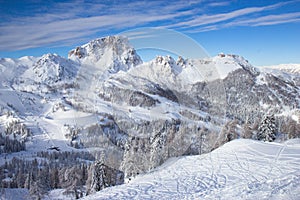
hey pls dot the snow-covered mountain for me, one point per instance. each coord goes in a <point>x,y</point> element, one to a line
<point>104,103</point>
<point>112,54</point>
<point>12,68</point>
<point>52,68</point>
<point>50,72</point>
<point>288,71</point>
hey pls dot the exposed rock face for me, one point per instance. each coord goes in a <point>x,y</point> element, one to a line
<point>111,53</point>
<point>140,99</point>
<point>78,52</point>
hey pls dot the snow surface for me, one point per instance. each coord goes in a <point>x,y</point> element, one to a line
<point>241,169</point>
<point>14,194</point>
<point>58,194</point>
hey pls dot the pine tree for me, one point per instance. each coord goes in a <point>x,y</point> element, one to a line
<point>247,131</point>
<point>99,180</point>
<point>127,162</point>
<point>157,149</point>
<point>28,180</point>
<point>35,191</point>
<point>202,139</point>
<point>292,128</point>
<point>41,186</point>
<point>229,130</point>
<point>73,182</point>
<point>54,178</point>
<point>20,179</point>
<point>83,174</point>
<point>267,129</point>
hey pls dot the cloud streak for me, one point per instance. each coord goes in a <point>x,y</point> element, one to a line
<point>267,20</point>
<point>74,21</point>
<point>223,17</point>
<point>62,24</point>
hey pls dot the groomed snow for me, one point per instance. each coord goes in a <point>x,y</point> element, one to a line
<point>241,169</point>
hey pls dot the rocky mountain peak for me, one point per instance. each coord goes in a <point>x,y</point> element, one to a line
<point>165,60</point>
<point>181,61</point>
<point>168,63</point>
<point>51,68</point>
<point>112,53</point>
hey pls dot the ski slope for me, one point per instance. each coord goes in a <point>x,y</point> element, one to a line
<point>241,169</point>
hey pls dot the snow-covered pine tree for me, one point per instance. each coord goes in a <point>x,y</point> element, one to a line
<point>292,128</point>
<point>54,178</point>
<point>247,131</point>
<point>41,186</point>
<point>28,181</point>
<point>127,162</point>
<point>229,130</point>
<point>99,177</point>
<point>267,129</point>
<point>202,138</point>
<point>35,191</point>
<point>20,178</point>
<point>157,149</point>
<point>73,182</point>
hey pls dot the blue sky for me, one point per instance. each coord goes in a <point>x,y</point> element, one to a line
<point>264,32</point>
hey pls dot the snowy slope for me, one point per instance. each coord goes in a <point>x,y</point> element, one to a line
<point>11,194</point>
<point>241,169</point>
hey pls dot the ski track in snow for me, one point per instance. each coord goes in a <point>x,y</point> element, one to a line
<point>242,169</point>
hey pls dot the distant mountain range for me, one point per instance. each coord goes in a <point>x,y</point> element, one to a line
<point>289,68</point>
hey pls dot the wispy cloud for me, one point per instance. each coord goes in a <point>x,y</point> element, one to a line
<point>61,23</point>
<point>12,36</point>
<point>72,21</point>
<point>266,20</point>
<point>222,17</point>
<point>220,3</point>
<point>259,21</point>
